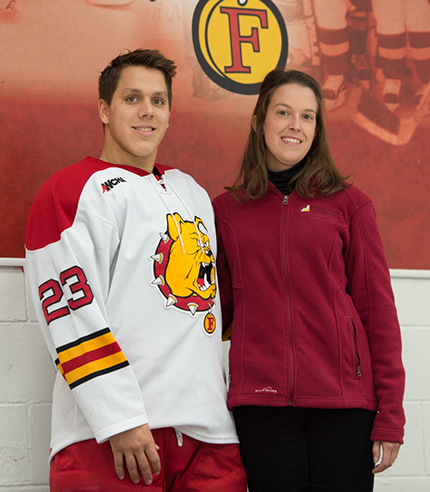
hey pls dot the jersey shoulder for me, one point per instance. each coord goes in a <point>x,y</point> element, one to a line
<point>54,208</point>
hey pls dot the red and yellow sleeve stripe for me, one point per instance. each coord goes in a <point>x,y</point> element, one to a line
<point>90,357</point>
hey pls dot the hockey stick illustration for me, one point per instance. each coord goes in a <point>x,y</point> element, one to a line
<point>374,116</point>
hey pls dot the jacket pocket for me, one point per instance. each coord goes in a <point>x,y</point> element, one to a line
<point>355,355</point>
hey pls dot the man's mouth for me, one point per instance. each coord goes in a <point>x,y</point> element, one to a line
<point>144,128</point>
<point>204,280</point>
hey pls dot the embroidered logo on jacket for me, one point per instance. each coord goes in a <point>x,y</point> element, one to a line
<point>321,211</point>
<point>110,183</point>
<point>184,268</point>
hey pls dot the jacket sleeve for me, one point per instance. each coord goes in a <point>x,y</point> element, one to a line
<point>68,266</point>
<point>369,285</point>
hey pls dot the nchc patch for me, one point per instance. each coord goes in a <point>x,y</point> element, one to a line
<point>110,183</point>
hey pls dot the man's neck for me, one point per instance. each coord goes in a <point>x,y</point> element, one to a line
<point>145,164</point>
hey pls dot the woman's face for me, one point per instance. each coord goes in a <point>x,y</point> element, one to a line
<point>290,125</point>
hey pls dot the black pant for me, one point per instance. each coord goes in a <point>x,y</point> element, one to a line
<point>290,449</point>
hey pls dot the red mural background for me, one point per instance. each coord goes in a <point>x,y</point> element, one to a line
<point>52,52</point>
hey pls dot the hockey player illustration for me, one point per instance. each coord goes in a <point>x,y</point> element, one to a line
<point>400,98</point>
<point>9,11</point>
<point>303,48</point>
<point>399,23</point>
<point>342,27</point>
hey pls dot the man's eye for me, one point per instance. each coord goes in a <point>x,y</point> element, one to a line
<point>158,102</point>
<point>131,99</point>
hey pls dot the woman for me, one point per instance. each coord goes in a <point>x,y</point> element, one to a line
<point>317,380</point>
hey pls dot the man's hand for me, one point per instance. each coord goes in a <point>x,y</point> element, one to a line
<point>138,448</point>
<point>390,450</point>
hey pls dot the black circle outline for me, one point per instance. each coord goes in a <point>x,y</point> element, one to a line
<point>224,82</point>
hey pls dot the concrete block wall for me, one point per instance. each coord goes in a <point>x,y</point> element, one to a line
<point>26,380</point>
<point>27,376</point>
<point>411,472</point>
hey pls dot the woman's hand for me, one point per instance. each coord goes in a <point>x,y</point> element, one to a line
<point>390,450</point>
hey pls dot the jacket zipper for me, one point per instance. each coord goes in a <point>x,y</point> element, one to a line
<point>357,355</point>
<point>290,334</point>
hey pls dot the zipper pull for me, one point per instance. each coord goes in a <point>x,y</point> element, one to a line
<point>180,438</point>
<point>358,371</point>
<point>285,202</point>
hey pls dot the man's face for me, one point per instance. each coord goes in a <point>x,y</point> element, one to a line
<point>137,118</point>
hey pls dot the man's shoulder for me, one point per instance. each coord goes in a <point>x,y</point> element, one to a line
<point>56,204</point>
<point>73,174</point>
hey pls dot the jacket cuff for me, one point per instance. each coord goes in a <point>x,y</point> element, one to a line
<point>387,436</point>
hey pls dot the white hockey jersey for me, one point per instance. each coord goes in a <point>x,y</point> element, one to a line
<point>120,265</point>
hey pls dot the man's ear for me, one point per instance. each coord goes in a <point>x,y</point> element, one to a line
<point>103,111</point>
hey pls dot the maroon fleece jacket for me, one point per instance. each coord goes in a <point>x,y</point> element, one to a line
<point>308,289</point>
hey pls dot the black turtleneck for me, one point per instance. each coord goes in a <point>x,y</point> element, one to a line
<point>281,179</point>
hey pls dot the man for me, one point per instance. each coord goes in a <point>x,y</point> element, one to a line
<point>120,266</point>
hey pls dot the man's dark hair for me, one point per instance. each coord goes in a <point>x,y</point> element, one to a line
<point>109,78</point>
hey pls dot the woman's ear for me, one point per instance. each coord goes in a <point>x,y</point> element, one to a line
<point>254,122</point>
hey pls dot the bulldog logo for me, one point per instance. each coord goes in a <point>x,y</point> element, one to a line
<point>184,267</point>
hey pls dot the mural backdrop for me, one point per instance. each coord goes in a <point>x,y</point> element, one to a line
<point>372,58</point>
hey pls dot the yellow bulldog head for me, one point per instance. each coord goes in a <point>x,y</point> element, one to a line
<point>190,270</point>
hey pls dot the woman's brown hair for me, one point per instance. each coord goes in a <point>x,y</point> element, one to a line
<point>319,174</point>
